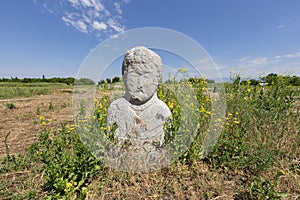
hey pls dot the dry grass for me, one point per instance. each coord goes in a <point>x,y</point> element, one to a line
<point>196,181</point>
<point>23,125</point>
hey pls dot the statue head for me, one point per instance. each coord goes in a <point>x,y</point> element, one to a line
<point>141,71</point>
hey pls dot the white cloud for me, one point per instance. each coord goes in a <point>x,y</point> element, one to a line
<point>204,61</point>
<point>113,24</point>
<point>291,55</point>
<point>93,17</point>
<point>87,19</point>
<point>276,64</point>
<point>114,36</point>
<point>250,67</point>
<point>96,4</point>
<point>281,26</point>
<point>86,3</point>
<point>79,25</point>
<point>210,67</point>
<point>99,25</point>
<point>118,7</point>
<point>74,2</point>
<point>252,61</point>
<point>259,61</point>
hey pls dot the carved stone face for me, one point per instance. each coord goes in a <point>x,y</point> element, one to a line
<point>141,84</point>
<point>141,70</point>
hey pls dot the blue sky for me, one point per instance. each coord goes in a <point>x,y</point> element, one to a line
<point>53,37</point>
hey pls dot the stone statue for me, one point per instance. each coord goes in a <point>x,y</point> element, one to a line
<point>139,115</point>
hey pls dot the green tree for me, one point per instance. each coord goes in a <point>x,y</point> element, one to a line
<point>271,78</point>
<point>294,80</point>
<point>85,81</point>
<point>115,79</point>
<point>108,80</point>
<point>101,82</point>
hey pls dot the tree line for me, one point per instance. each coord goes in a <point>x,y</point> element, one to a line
<point>68,80</point>
<point>272,79</point>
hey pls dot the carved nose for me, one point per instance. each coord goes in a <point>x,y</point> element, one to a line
<point>138,81</point>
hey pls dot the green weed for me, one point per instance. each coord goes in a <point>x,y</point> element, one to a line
<point>11,105</point>
<point>51,106</point>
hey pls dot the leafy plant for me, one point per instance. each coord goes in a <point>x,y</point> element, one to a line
<point>267,189</point>
<point>10,105</point>
<point>38,111</point>
<point>51,106</point>
<point>68,165</point>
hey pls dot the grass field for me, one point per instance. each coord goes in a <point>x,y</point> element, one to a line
<point>257,156</point>
<point>13,90</point>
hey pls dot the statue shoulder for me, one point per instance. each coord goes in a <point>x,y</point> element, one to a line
<point>163,106</point>
<point>121,102</point>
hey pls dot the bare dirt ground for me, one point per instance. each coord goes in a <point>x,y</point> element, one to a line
<point>21,126</point>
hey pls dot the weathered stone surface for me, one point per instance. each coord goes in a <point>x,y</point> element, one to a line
<point>139,123</point>
<point>139,115</point>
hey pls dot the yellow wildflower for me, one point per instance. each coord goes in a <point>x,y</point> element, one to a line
<point>42,118</point>
<point>282,172</point>
<point>170,105</point>
<point>229,114</point>
<point>44,123</point>
<point>207,112</point>
<point>248,90</point>
<point>68,187</point>
<point>108,128</point>
<point>207,99</point>
<point>236,122</point>
<point>202,109</point>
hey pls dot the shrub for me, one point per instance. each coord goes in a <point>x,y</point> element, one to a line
<point>10,105</point>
